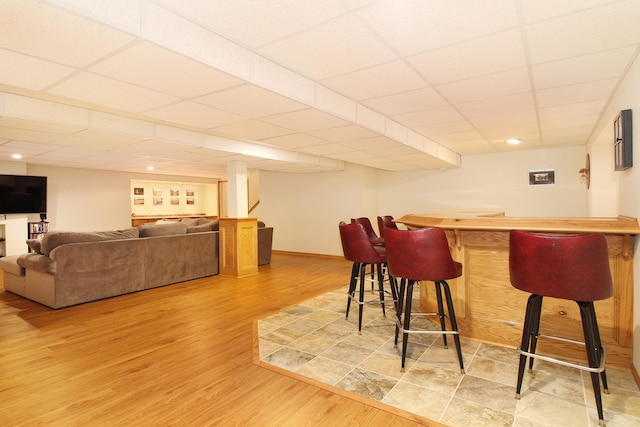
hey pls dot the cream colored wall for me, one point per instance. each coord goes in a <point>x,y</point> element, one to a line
<point>305,211</point>
<point>175,197</point>
<point>89,200</point>
<point>625,184</point>
<point>491,182</point>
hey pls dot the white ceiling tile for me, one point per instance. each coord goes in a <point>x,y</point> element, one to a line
<point>325,149</point>
<point>591,108</point>
<point>194,114</point>
<point>254,23</point>
<point>484,87</point>
<point>514,118</point>
<point>61,37</point>
<point>567,123</point>
<point>100,140</point>
<point>428,117</point>
<point>251,129</point>
<point>444,128</point>
<point>367,83</point>
<point>293,141</point>
<point>538,10</point>
<point>27,135</point>
<point>251,101</point>
<point>99,90</point>
<point>305,120</point>
<point>581,92</point>
<point>486,55</point>
<point>414,26</point>
<point>28,72</point>
<point>406,102</point>
<point>581,69</point>
<point>39,126</point>
<point>147,65</point>
<point>368,144</point>
<point>343,133</point>
<point>493,106</point>
<point>122,14</point>
<point>312,53</point>
<point>589,31</point>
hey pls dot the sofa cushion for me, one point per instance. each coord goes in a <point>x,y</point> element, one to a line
<point>189,221</point>
<point>35,245</point>
<point>164,229</point>
<point>9,264</point>
<point>37,262</point>
<point>55,238</point>
<point>199,228</point>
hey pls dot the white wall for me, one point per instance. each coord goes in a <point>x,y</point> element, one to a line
<point>624,184</point>
<point>491,182</point>
<point>91,200</point>
<point>306,209</point>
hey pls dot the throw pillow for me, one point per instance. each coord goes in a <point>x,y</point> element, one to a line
<point>35,245</point>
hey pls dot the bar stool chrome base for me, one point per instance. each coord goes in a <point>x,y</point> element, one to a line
<point>404,315</point>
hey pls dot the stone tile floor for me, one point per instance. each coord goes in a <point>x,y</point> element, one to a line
<point>314,340</point>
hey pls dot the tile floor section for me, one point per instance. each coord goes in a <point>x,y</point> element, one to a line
<point>314,340</point>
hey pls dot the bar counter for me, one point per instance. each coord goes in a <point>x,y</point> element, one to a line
<point>489,309</point>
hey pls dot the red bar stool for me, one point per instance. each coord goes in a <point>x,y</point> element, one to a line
<point>386,221</point>
<point>422,255</point>
<point>358,249</point>
<point>570,267</point>
<point>377,241</point>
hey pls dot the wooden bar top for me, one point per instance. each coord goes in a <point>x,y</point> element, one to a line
<point>496,221</point>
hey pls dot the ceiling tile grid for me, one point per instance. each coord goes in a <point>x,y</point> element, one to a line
<point>304,85</point>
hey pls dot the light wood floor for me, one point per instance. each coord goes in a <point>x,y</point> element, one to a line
<point>180,355</point>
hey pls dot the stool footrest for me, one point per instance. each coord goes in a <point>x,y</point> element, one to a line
<point>569,364</point>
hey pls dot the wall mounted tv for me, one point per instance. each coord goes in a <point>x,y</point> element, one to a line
<point>23,194</point>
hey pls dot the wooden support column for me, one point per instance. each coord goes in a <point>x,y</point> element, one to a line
<point>238,246</point>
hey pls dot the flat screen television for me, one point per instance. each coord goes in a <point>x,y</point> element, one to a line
<point>23,194</point>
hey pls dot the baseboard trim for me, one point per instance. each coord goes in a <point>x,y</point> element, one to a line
<point>307,254</point>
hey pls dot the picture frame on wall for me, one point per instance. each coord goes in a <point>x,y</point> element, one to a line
<point>622,141</point>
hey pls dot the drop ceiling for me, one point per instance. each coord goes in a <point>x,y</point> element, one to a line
<point>303,86</point>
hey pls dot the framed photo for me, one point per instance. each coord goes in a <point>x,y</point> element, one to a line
<point>175,200</point>
<point>542,177</point>
<point>138,191</point>
<point>157,191</point>
<point>157,200</point>
<point>138,200</point>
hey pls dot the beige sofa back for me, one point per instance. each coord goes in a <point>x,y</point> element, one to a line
<point>172,259</point>
<point>96,270</point>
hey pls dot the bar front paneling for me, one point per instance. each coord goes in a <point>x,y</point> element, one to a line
<point>490,309</point>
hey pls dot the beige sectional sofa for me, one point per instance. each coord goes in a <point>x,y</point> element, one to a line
<point>68,268</point>
<point>76,267</point>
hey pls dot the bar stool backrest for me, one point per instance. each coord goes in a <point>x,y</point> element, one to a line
<point>421,254</point>
<point>385,221</point>
<point>366,223</point>
<point>572,267</point>
<point>356,245</point>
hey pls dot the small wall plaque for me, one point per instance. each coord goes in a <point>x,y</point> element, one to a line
<point>542,177</point>
<point>622,143</point>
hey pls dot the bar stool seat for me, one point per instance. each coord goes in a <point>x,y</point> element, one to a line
<point>358,248</point>
<point>422,255</point>
<point>570,267</point>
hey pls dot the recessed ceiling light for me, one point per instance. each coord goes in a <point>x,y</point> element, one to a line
<point>513,141</point>
<point>150,168</point>
<point>16,156</point>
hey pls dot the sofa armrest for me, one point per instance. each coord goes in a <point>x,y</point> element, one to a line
<point>265,243</point>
